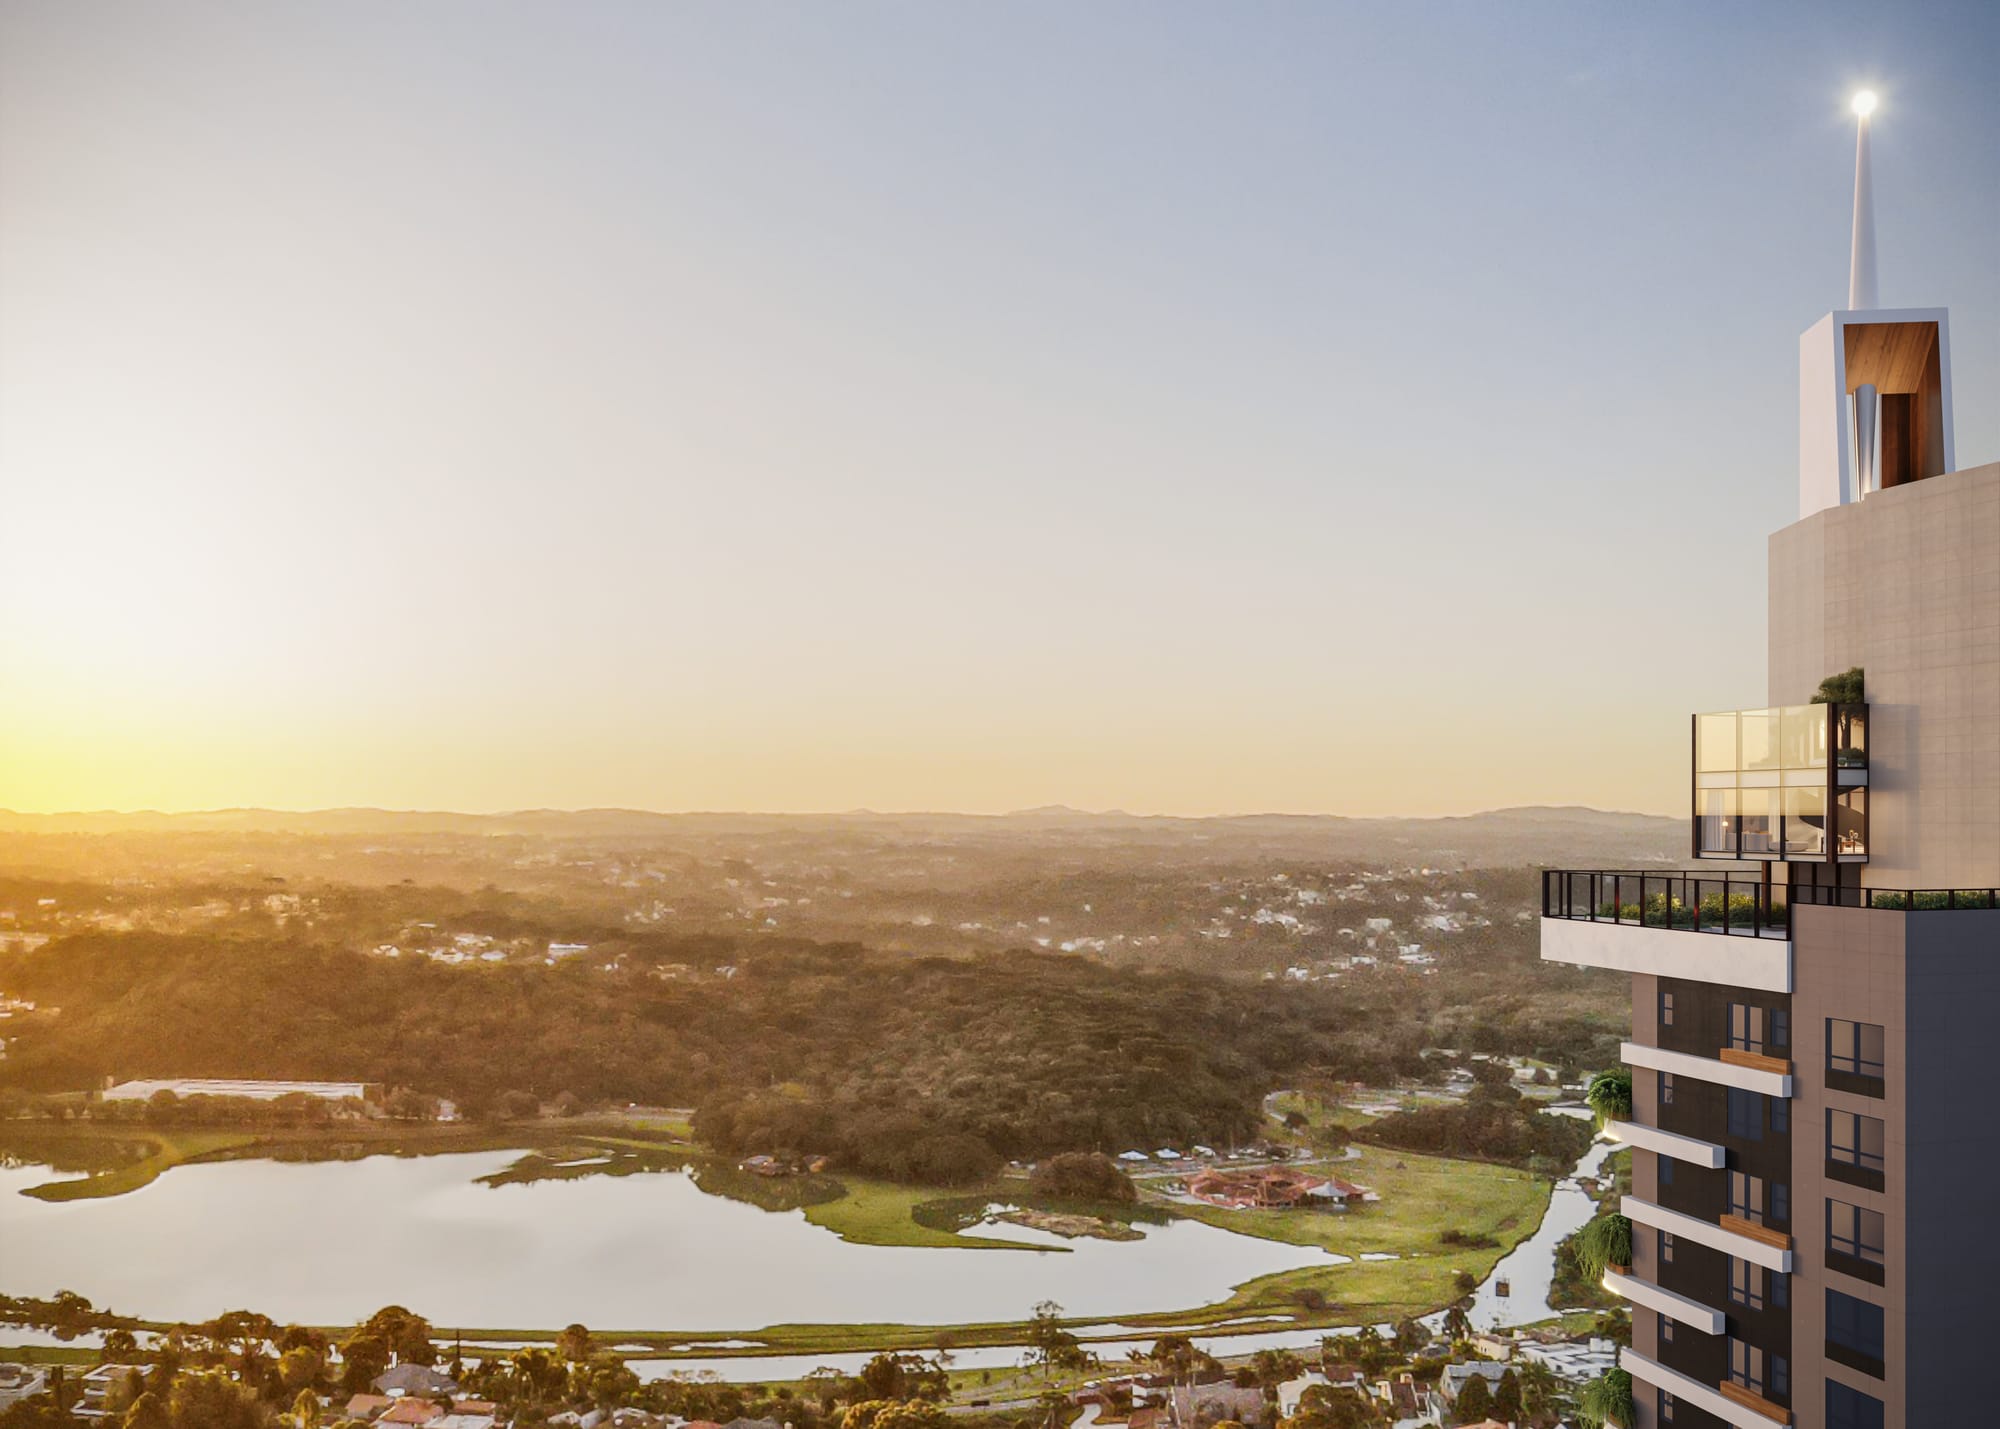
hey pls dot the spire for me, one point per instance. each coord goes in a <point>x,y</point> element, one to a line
<point>1861,262</point>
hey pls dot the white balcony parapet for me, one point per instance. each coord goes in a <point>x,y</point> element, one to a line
<point>1763,964</point>
<point>1689,1390</point>
<point>1667,1143</point>
<point>1706,1069</point>
<point>1678,1308</point>
<point>1707,1233</point>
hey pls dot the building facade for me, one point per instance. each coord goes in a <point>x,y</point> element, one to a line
<point>1814,1156</point>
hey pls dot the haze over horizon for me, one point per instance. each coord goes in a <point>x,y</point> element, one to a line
<point>498,407</point>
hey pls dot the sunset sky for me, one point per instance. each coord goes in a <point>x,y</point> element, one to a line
<point>1175,407</point>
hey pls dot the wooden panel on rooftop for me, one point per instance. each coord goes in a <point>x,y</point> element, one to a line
<point>1890,355</point>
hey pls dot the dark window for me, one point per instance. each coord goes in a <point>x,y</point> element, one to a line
<point>1854,1140</point>
<point>1666,1407</point>
<point>1666,1009</point>
<point>1746,1115</point>
<point>1781,1203</point>
<point>1781,1376</point>
<point>1746,1196</point>
<point>1747,1366</point>
<point>1781,1290</point>
<point>1666,1089</point>
<point>1746,1284</point>
<point>1854,1048</point>
<point>1854,1324</point>
<point>1854,1232</point>
<point>1746,1027</point>
<point>1851,1409</point>
<point>1666,1170</point>
<point>1781,1028</point>
<point>1781,1115</point>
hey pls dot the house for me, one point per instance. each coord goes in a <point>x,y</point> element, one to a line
<point>1198,1406</point>
<point>1410,1404</point>
<point>99,1385</point>
<point>1455,1377</point>
<point>1151,1417</point>
<point>19,1382</point>
<point>1293,1390</point>
<point>458,1420</point>
<point>366,1406</point>
<point>411,1411</point>
<point>415,1379</point>
<point>575,1420</point>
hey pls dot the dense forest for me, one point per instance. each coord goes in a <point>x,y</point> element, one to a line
<point>917,1066</point>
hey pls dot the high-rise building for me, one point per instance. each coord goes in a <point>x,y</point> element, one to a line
<point>1816,1152</point>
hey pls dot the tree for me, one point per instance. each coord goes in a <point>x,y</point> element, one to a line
<point>210,1400</point>
<point>119,1346</point>
<point>1846,688</point>
<point>1050,1346</point>
<point>1457,1323</point>
<point>1507,1398</point>
<point>1325,1407</point>
<point>147,1412</point>
<point>364,1356</point>
<point>1610,1094</point>
<point>575,1344</point>
<point>1475,1401</point>
<point>305,1410</point>
<point>1271,1368</point>
<point>1083,1176</point>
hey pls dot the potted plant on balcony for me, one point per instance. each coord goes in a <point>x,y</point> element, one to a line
<point>1605,1243</point>
<point>1610,1095</point>
<point>1606,1400</point>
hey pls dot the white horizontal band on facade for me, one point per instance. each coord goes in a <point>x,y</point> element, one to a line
<point>1706,1069</point>
<point>1707,1233</point>
<point>1725,959</point>
<point>1692,1391</point>
<point>1678,1308</point>
<point>1667,1143</point>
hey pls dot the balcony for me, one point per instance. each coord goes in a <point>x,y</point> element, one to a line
<point>1705,1154</point>
<point>1782,785</point>
<point>1728,1402</point>
<point>1678,1308</point>
<point>1640,922</point>
<point>1732,1235</point>
<point>1726,1070</point>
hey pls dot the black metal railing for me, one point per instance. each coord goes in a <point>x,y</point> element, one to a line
<point>1901,900</point>
<point>1738,903</point>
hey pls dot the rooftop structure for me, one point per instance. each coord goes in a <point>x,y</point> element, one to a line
<point>145,1090</point>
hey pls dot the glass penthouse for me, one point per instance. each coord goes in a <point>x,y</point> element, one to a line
<point>1814,1155</point>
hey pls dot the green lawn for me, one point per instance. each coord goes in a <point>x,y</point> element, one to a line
<point>878,1213</point>
<point>170,1149</point>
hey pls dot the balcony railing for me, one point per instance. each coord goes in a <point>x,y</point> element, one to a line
<point>1739,903</point>
<point>1901,900</point>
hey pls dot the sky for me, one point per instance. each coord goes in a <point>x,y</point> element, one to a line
<point>1180,408</point>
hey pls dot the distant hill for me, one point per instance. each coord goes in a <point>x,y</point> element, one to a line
<point>1531,834</point>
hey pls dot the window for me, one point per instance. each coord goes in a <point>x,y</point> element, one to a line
<point>1666,1089</point>
<point>1746,1027</point>
<point>1781,1115</point>
<point>1854,1140</point>
<point>1854,1325</point>
<point>1666,1009</point>
<point>1666,1170</point>
<point>1666,1328</point>
<point>1854,1232</point>
<point>1747,1366</point>
<point>1781,1377</point>
<point>1779,1028</point>
<point>1746,1197</point>
<point>1781,1289</point>
<point>1715,820</point>
<point>1746,1284</point>
<point>1666,1247</point>
<point>1848,1408</point>
<point>1781,1203</point>
<point>1746,1115</point>
<point>1854,1048</point>
<point>1666,1407</point>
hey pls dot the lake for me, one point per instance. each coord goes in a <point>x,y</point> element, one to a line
<point>330,1242</point>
